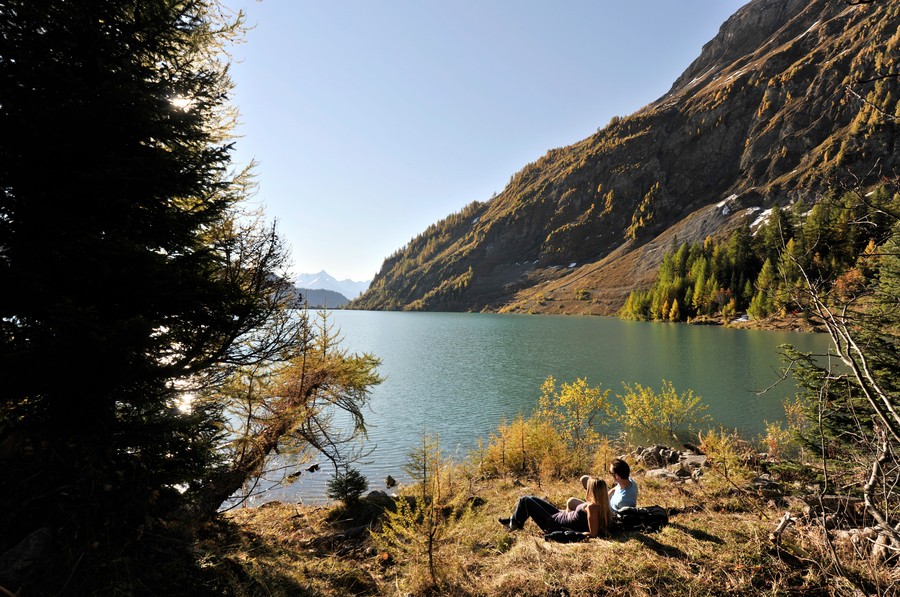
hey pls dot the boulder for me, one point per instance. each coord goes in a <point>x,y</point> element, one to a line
<point>885,548</point>
<point>766,487</point>
<point>476,502</point>
<point>694,461</point>
<point>652,460</point>
<point>653,457</point>
<point>671,456</point>
<point>692,449</point>
<point>380,499</point>
<point>863,538</point>
<point>26,558</point>
<point>662,473</point>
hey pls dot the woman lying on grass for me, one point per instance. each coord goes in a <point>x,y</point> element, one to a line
<point>591,517</point>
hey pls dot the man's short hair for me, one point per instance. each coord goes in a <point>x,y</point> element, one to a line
<point>620,468</point>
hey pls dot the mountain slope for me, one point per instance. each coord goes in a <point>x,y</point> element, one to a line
<point>762,116</point>
<point>319,298</point>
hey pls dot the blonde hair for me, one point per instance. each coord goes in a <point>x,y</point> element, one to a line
<point>598,493</point>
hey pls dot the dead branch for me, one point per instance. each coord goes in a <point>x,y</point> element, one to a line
<point>785,521</point>
<point>869,489</point>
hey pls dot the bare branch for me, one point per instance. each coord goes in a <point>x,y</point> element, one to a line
<point>853,356</point>
<point>785,521</point>
<point>869,490</point>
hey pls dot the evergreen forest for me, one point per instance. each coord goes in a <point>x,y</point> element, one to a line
<point>764,269</point>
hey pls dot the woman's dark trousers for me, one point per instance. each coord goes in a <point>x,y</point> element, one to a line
<point>541,511</point>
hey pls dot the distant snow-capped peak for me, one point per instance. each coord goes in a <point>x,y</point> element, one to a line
<point>323,280</point>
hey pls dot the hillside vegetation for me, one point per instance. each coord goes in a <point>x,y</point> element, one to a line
<point>761,270</point>
<point>321,298</point>
<point>788,96</point>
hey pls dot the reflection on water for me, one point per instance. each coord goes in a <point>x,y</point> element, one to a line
<point>459,374</point>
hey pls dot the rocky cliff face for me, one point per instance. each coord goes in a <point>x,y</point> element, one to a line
<point>788,94</point>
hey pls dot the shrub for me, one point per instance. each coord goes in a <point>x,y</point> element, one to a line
<point>410,535</point>
<point>728,456</point>
<point>660,414</point>
<point>560,439</point>
<point>527,447</point>
<point>416,531</point>
<point>574,410</point>
<point>779,441</point>
<point>347,485</point>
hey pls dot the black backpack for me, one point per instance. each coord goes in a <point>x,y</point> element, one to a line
<point>650,519</point>
<point>565,536</point>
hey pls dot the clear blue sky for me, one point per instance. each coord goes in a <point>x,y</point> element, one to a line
<point>371,119</point>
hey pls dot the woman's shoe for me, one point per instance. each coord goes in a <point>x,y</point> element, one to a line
<point>504,521</point>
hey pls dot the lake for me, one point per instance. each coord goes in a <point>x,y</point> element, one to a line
<point>459,374</point>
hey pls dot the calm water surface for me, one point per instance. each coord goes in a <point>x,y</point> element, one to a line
<point>459,374</point>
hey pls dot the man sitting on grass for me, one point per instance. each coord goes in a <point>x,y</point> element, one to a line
<point>625,492</point>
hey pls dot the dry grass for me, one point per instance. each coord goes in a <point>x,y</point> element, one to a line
<point>717,543</point>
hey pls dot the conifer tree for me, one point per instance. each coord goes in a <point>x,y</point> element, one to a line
<point>762,304</point>
<point>675,311</point>
<point>699,273</point>
<point>130,275</point>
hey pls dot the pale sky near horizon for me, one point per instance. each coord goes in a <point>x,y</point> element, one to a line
<point>371,120</point>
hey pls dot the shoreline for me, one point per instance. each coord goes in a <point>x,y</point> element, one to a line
<point>790,323</point>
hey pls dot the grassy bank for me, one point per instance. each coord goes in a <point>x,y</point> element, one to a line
<point>717,543</point>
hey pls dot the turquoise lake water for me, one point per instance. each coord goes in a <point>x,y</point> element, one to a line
<point>459,374</point>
